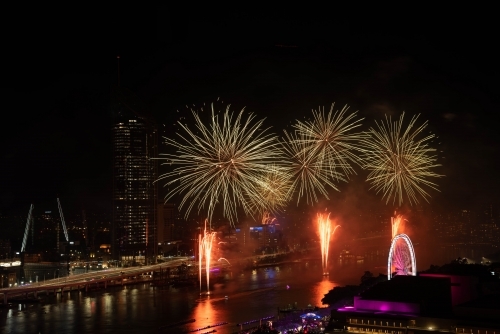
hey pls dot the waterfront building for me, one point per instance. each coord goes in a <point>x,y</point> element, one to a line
<point>134,139</point>
<point>268,236</point>
<point>421,304</point>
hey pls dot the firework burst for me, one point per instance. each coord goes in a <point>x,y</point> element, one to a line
<point>320,152</point>
<point>221,163</point>
<point>310,176</point>
<point>333,140</point>
<point>399,160</point>
<point>273,188</point>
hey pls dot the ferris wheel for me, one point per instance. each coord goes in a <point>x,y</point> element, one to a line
<point>401,260</point>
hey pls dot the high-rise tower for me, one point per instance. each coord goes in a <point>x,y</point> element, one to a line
<point>134,137</point>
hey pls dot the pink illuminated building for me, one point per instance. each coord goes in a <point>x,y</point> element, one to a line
<point>424,303</point>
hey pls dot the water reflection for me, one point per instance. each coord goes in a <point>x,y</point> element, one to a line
<point>206,314</point>
<point>320,289</point>
<point>142,308</point>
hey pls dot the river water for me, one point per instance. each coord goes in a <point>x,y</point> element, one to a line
<point>141,308</point>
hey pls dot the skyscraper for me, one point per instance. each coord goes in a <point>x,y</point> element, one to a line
<point>135,144</point>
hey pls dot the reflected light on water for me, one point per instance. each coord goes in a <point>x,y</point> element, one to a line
<point>132,300</point>
<point>320,289</point>
<point>254,275</point>
<point>107,300</point>
<point>269,274</point>
<point>143,309</point>
<point>70,306</point>
<point>205,314</point>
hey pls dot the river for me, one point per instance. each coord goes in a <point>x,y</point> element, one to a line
<point>141,308</point>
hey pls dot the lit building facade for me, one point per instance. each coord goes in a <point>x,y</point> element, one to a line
<point>268,236</point>
<point>134,139</point>
<point>428,303</point>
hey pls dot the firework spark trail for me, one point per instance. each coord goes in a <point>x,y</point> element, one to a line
<point>309,174</point>
<point>395,223</point>
<point>399,162</point>
<point>273,187</point>
<point>325,232</point>
<point>331,138</point>
<point>267,218</point>
<point>221,163</point>
<point>324,227</point>
<point>205,251</point>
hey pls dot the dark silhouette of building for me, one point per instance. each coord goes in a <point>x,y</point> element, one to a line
<point>421,304</point>
<point>5,250</point>
<point>166,214</point>
<point>135,145</point>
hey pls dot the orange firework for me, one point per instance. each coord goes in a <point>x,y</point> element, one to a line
<point>205,251</point>
<point>325,232</point>
<point>395,223</point>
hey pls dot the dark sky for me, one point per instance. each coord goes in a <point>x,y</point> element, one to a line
<point>280,63</point>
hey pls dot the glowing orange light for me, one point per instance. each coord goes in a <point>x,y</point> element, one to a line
<point>396,224</point>
<point>325,232</point>
<point>205,251</point>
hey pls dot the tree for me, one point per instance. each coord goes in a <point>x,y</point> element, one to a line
<point>366,276</point>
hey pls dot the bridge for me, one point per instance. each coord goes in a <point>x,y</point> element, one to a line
<point>101,278</point>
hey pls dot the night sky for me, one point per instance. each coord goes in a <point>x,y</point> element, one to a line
<point>58,68</point>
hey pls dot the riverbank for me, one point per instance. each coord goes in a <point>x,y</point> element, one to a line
<point>251,294</point>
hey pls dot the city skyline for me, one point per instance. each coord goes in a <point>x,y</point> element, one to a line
<point>59,142</point>
<point>101,102</point>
